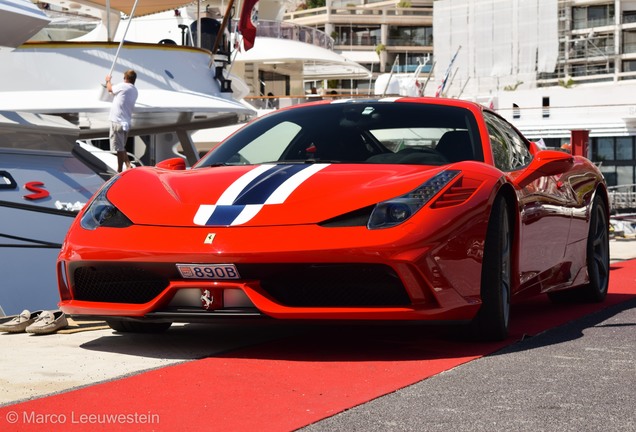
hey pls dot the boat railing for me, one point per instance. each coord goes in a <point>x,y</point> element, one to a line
<point>295,32</point>
<point>622,198</point>
<point>275,102</point>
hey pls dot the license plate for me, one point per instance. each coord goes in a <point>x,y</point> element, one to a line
<point>208,271</point>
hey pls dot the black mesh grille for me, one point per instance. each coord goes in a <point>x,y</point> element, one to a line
<point>295,285</point>
<point>329,285</point>
<point>117,284</point>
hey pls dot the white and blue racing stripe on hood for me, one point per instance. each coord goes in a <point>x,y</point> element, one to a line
<point>263,185</point>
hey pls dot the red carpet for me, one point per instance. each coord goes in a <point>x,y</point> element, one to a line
<point>289,383</point>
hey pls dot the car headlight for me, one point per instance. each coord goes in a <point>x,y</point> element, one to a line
<point>102,213</point>
<point>397,210</point>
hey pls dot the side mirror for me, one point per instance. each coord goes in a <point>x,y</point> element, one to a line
<point>175,164</point>
<point>534,148</point>
<point>544,163</point>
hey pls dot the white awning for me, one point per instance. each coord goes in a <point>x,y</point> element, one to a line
<point>144,7</point>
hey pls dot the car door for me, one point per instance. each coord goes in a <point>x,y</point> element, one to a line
<point>544,211</point>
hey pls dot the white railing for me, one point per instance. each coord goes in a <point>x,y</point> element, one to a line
<point>287,30</point>
<point>622,197</point>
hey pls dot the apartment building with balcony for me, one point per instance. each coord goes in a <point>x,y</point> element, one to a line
<point>382,35</point>
<point>550,67</point>
<point>597,42</point>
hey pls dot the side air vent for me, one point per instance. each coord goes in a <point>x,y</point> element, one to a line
<point>454,196</point>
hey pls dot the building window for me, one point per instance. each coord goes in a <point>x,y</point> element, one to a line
<point>629,66</point>
<point>616,157</point>
<point>546,107</point>
<point>516,112</point>
<point>613,149</point>
<point>629,42</point>
<point>408,62</point>
<point>367,35</point>
<point>410,36</point>
<point>624,148</point>
<point>604,150</point>
<point>629,17</point>
<point>592,16</point>
<point>587,69</point>
<point>592,45</point>
<point>609,172</point>
<point>618,175</point>
<point>624,175</point>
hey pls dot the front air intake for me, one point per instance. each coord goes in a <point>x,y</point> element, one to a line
<point>117,284</point>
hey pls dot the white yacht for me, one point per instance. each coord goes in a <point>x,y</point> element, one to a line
<point>274,73</point>
<point>181,88</point>
<point>19,20</point>
<point>45,179</point>
<point>52,95</point>
<point>284,57</point>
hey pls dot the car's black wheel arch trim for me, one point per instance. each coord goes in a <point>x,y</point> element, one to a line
<point>602,192</point>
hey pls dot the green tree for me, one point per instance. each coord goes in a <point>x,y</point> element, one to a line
<point>316,3</point>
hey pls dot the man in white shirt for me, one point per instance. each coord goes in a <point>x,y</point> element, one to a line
<point>121,115</point>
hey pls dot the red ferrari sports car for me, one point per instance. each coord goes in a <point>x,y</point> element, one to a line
<point>393,209</point>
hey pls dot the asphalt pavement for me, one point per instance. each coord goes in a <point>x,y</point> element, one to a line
<point>579,377</point>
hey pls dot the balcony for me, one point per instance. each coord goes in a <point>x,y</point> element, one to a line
<point>579,24</point>
<point>291,31</point>
<point>410,41</point>
<point>368,41</point>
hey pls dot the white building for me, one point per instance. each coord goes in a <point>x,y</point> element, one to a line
<point>549,66</point>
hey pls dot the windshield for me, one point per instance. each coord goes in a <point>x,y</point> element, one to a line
<point>354,132</point>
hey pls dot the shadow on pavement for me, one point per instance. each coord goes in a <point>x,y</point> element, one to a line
<point>362,342</point>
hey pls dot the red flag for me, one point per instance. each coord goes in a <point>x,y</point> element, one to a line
<point>247,23</point>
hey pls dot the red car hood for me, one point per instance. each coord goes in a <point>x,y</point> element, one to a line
<point>261,195</point>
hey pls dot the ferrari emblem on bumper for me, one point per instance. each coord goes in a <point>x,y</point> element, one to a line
<point>207,300</point>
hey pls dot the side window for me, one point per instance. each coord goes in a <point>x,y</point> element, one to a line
<point>518,150</point>
<point>509,150</point>
<point>499,144</point>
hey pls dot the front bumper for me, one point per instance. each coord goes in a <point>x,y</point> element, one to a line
<point>408,273</point>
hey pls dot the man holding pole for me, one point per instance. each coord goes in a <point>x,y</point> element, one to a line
<point>121,115</point>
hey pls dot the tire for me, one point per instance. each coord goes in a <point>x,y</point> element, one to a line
<point>128,326</point>
<point>491,322</point>
<point>598,255</point>
<point>597,258</point>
